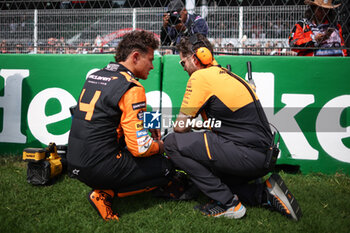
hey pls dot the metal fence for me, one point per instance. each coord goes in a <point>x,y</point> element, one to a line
<point>259,30</point>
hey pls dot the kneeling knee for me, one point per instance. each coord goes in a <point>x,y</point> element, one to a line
<point>170,143</point>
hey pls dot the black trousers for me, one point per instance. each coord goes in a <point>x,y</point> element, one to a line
<point>125,173</point>
<point>218,167</point>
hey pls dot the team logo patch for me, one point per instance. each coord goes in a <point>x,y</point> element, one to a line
<point>140,115</point>
<point>139,105</point>
<point>151,120</point>
<point>139,125</point>
<point>112,67</point>
<point>141,133</point>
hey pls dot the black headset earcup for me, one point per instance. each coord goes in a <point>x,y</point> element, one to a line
<point>204,55</point>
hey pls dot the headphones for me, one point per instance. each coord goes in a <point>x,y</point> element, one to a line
<point>203,54</point>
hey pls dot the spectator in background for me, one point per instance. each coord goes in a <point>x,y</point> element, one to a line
<point>86,48</point>
<point>63,42</point>
<point>70,49</point>
<point>277,48</point>
<point>3,46</point>
<point>79,49</point>
<point>62,45</point>
<point>230,48</point>
<point>318,29</point>
<point>30,49</point>
<point>257,48</point>
<point>177,22</point>
<point>268,48</point>
<point>97,45</point>
<point>19,48</point>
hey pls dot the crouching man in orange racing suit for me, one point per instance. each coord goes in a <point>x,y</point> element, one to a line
<point>109,116</point>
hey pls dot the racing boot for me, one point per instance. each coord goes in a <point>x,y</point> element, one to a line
<point>101,200</point>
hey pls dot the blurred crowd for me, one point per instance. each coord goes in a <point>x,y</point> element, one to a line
<point>59,46</point>
<point>54,46</point>
<point>268,34</point>
<point>269,48</point>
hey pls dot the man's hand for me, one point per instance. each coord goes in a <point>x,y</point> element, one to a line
<point>329,32</point>
<point>155,134</point>
<point>320,37</point>
<point>180,27</point>
<point>161,146</point>
<point>182,125</point>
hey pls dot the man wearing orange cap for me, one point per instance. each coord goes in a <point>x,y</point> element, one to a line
<point>318,34</point>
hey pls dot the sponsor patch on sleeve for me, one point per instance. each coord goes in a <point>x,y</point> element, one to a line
<point>139,105</point>
<point>144,143</point>
<point>139,125</point>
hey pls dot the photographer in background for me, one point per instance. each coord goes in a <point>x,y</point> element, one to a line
<point>177,22</point>
<point>319,29</point>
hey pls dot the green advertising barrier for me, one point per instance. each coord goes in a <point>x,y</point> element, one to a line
<point>36,92</point>
<point>307,99</point>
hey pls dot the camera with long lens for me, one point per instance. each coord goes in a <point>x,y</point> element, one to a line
<point>174,18</point>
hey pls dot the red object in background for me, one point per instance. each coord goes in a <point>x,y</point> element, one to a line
<point>79,1</point>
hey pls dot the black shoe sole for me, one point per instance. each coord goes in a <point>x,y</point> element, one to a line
<point>291,199</point>
<point>93,204</point>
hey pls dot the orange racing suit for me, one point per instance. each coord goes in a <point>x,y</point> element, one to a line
<point>107,136</point>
